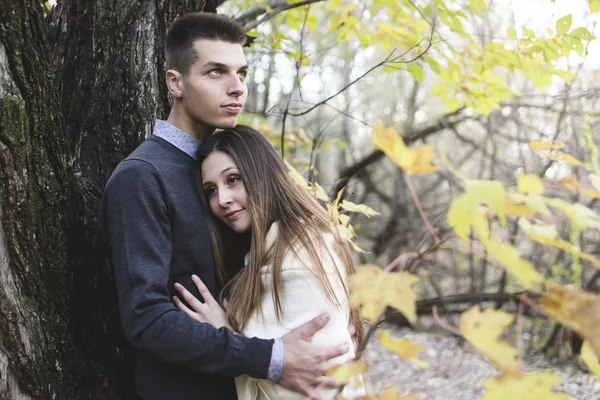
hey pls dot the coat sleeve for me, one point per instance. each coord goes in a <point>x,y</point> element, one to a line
<point>134,218</point>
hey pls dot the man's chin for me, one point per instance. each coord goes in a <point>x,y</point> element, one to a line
<point>228,123</point>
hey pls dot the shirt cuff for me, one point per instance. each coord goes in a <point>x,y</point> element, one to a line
<point>276,365</point>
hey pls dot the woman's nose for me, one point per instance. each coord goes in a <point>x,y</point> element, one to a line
<point>224,198</point>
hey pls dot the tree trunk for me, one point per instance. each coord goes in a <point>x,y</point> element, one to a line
<point>79,90</point>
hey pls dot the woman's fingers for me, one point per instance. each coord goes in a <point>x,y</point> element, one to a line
<point>183,308</point>
<point>204,292</point>
<point>188,297</point>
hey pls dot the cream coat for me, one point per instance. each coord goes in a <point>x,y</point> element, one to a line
<point>302,299</point>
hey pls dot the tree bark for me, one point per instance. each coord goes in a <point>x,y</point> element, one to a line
<point>79,90</point>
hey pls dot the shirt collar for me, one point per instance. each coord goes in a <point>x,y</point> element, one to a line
<point>178,138</point>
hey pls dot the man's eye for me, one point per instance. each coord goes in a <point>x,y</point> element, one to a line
<point>243,74</point>
<point>215,72</point>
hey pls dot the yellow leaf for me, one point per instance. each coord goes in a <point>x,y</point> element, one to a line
<point>463,213</point>
<point>343,372</point>
<point>360,208</point>
<point>517,208</point>
<point>548,231</point>
<point>491,193</point>
<point>589,358</point>
<point>570,182</point>
<point>530,184</point>
<point>483,331</point>
<point>388,141</point>
<point>403,347</point>
<point>318,192</point>
<point>537,145</point>
<point>537,204</point>
<point>460,215</point>
<point>581,216</point>
<point>578,310</point>
<point>373,290</point>
<point>481,226</point>
<point>390,393</point>
<point>565,246</point>
<point>560,156</point>
<point>591,193</point>
<point>413,161</point>
<point>511,260</point>
<point>297,177</point>
<point>528,387</point>
<point>422,165</point>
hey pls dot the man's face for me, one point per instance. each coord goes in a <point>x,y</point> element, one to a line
<point>214,91</point>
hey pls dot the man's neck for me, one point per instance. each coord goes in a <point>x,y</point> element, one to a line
<point>196,130</point>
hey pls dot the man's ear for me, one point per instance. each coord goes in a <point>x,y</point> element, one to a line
<point>175,83</point>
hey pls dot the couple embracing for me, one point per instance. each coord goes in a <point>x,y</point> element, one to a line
<point>231,282</point>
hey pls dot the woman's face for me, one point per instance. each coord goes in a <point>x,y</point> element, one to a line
<point>225,191</point>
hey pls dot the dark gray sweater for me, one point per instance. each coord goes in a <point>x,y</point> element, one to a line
<point>153,219</point>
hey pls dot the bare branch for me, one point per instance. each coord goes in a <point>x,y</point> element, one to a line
<point>441,124</point>
<point>389,61</point>
<point>276,8</point>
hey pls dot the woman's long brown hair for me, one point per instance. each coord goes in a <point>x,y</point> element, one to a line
<point>273,197</point>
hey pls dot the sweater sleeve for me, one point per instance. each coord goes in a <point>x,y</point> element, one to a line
<point>134,218</point>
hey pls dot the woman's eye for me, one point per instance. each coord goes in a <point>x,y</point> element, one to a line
<point>233,179</point>
<point>210,191</point>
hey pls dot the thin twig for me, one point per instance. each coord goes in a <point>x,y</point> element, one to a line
<point>279,8</point>
<point>443,324</point>
<point>520,319</point>
<point>399,259</point>
<point>415,197</point>
<point>389,60</point>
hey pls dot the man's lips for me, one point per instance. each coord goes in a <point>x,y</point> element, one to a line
<point>233,107</point>
<point>233,214</point>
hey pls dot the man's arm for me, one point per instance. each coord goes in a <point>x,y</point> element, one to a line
<point>135,218</point>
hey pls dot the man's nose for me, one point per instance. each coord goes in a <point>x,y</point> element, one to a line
<point>237,86</point>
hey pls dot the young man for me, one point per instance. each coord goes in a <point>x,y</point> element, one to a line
<point>153,218</point>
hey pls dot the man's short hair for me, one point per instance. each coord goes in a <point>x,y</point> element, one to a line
<point>184,31</point>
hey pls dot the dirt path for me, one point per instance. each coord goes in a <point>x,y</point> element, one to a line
<point>457,370</point>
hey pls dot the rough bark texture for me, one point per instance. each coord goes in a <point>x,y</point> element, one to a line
<point>79,90</point>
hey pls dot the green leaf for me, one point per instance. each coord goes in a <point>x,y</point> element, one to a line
<point>510,32</point>
<point>582,33</point>
<point>564,24</point>
<point>360,208</point>
<point>594,6</point>
<point>512,261</point>
<point>528,33</point>
<point>460,216</point>
<point>491,193</point>
<point>530,184</point>
<point>415,71</point>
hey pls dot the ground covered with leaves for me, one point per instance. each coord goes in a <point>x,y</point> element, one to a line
<point>456,370</point>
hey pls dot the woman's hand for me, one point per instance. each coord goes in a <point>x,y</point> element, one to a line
<point>210,311</point>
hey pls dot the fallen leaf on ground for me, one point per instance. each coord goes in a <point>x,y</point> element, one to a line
<point>528,387</point>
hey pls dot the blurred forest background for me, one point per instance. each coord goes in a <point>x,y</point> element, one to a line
<point>81,83</point>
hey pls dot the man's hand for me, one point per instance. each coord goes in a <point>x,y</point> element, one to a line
<point>304,364</point>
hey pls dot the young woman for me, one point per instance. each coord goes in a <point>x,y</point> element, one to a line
<point>275,251</point>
